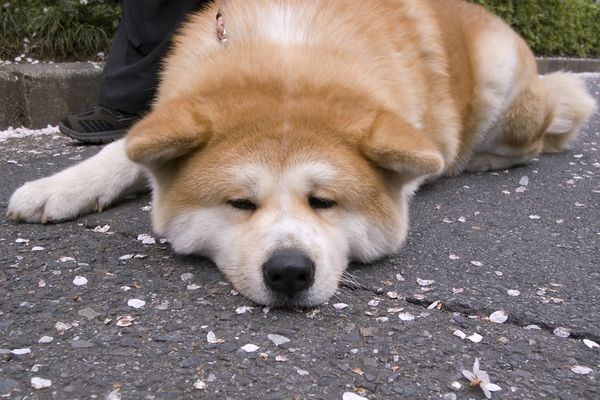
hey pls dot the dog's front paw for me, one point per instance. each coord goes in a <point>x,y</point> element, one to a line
<point>51,200</point>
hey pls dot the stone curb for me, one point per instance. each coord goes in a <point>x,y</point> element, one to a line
<point>37,95</point>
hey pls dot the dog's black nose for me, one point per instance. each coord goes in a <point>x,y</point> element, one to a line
<point>289,271</point>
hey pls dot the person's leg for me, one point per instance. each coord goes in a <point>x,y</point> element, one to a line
<point>130,77</point>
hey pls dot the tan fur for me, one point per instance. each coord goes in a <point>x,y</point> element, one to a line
<point>353,101</point>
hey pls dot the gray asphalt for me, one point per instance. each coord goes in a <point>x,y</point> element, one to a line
<point>476,236</point>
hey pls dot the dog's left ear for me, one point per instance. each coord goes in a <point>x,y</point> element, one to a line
<point>173,129</point>
<point>395,145</point>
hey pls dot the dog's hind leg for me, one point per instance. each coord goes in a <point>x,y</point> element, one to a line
<point>570,106</point>
<point>542,118</point>
<point>89,186</point>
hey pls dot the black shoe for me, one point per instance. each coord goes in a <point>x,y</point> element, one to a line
<point>98,126</point>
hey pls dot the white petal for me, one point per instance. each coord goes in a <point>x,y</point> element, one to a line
<point>476,365</point>
<point>492,387</point>
<point>405,316</point>
<point>200,384</point>
<point>250,348</point>
<point>460,334</point>
<point>524,181</point>
<point>433,305</point>
<point>475,338</point>
<point>20,352</point>
<point>581,370</point>
<point>352,396</point>
<point>40,383</point>
<point>340,306</point>
<point>136,303</point>
<point>469,375</point>
<point>212,338</point>
<point>114,395</point>
<point>591,344</point>
<point>562,332</point>
<point>46,339</point>
<point>278,339</point>
<point>80,280</point>
<point>499,317</point>
<point>425,282</point>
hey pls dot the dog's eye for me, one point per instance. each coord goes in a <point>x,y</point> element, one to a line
<point>243,204</point>
<point>320,203</point>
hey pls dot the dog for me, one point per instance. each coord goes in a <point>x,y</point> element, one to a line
<point>287,138</point>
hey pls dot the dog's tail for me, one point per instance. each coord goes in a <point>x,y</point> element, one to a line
<point>569,106</point>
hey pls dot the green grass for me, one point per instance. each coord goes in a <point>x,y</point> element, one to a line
<point>553,27</point>
<point>56,30</point>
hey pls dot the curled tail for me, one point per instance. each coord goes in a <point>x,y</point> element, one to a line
<point>569,106</point>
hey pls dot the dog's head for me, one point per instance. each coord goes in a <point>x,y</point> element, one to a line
<point>281,197</point>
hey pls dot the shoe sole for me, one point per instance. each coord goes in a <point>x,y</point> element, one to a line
<point>92,138</point>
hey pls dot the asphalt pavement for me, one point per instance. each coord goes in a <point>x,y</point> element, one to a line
<point>88,311</point>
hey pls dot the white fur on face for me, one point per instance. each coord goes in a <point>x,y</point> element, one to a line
<point>240,242</point>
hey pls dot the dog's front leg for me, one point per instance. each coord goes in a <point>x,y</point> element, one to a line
<point>86,187</point>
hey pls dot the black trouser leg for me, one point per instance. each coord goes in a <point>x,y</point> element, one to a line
<point>143,37</point>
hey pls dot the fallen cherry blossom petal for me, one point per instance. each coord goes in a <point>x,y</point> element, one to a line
<point>581,370</point>
<point>477,263</point>
<point>212,338</point>
<point>200,384</point>
<point>62,326</point>
<point>243,309</point>
<point>405,316</point>
<point>250,348</point>
<point>40,383</point>
<point>374,303</point>
<point>513,292</point>
<point>340,306</point>
<point>45,339</point>
<point>20,352</point>
<point>80,280</point>
<point>187,276</point>
<point>460,334</point>
<point>278,339</point>
<point>475,338</point>
<point>434,305</point>
<point>425,282</point>
<point>101,229</point>
<point>37,248</point>
<point>352,396</point>
<point>591,344</point>
<point>499,317</point>
<point>562,332</point>
<point>136,303</point>
<point>146,239</point>
<point>114,395</point>
<point>65,259</point>
<point>124,320</point>
<point>532,327</point>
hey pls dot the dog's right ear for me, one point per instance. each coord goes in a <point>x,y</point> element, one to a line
<point>173,129</point>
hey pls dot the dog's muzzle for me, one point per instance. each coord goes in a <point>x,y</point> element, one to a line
<point>288,272</point>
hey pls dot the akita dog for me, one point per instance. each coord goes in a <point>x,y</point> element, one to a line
<point>288,136</point>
